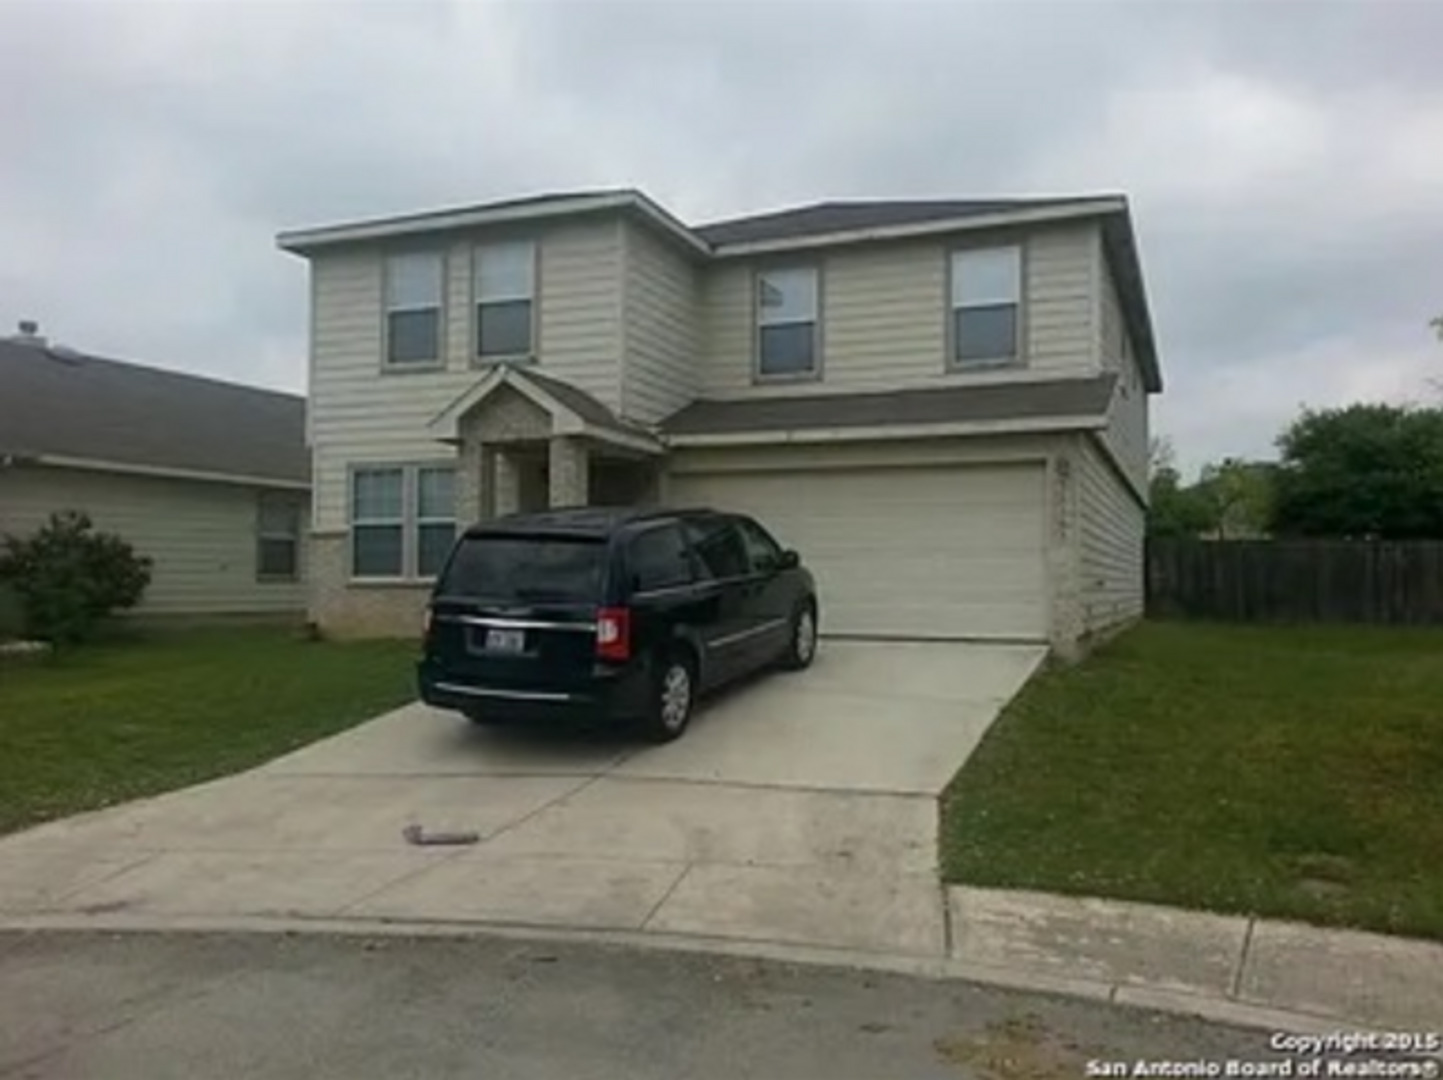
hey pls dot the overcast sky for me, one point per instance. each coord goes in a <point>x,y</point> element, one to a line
<point>1285,159</point>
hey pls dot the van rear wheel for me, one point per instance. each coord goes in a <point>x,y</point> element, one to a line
<point>673,695</point>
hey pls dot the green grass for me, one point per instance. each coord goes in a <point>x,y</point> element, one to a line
<point>134,717</point>
<point>1286,772</point>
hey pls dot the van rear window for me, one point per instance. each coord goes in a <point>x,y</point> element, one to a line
<point>526,568</point>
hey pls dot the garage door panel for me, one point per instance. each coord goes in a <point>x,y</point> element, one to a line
<point>906,552</point>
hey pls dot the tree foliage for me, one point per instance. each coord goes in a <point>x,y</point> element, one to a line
<point>69,577</point>
<point>1362,471</point>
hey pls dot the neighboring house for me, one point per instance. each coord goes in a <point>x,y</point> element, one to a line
<point>942,405</point>
<point>209,479</point>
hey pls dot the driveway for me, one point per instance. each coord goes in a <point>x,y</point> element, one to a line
<point>799,809</point>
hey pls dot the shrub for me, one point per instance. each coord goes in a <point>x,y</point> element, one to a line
<point>70,577</point>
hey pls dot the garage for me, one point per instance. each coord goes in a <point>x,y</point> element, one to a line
<point>953,551</point>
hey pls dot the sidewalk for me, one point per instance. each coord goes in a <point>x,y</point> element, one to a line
<point>1229,968</point>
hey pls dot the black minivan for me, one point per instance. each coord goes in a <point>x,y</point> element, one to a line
<point>614,613</point>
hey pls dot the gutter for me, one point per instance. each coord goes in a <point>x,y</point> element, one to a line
<point>884,432</point>
<point>61,461</point>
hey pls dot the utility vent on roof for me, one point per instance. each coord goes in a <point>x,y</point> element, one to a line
<point>29,333</point>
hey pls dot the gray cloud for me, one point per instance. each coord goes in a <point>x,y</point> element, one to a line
<point>1285,159</point>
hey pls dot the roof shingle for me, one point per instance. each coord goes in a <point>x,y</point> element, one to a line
<point>1058,399</point>
<point>73,405</point>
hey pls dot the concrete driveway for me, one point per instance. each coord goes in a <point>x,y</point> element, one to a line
<point>799,809</point>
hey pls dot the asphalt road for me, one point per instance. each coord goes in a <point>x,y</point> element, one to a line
<point>150,1007</point>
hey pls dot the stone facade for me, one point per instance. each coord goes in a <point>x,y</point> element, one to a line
<point>569,462</point>
<point>343,609</point>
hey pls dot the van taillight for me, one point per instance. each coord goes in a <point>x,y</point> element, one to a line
<point>613,634</point>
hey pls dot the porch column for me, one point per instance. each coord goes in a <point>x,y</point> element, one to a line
<point>476,471</point>
<point>507,496</point>
<point>569,464</point>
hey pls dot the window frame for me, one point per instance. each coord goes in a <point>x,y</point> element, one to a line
<point>410,520</point>
<point>294,504</point>
<point>437,362</point>
<point>814,373</point>
<point>533,352</point>
<point>1020,343</point>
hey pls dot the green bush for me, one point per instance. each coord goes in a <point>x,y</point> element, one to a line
<point>70,577</point>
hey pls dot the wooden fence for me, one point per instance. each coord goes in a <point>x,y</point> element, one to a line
<point>1359,581</point>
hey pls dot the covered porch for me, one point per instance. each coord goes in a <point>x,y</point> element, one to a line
<point>528,442</point>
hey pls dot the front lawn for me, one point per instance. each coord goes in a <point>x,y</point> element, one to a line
<point>1289,772</point>
<point>135,717</point>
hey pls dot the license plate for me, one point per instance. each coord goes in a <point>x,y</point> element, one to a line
<point>506,641</point>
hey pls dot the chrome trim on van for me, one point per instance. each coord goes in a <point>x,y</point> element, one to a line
<point>518,624</point>
<point>511,695</point>
<point>742,635</point>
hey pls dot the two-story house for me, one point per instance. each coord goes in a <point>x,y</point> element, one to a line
<point>942,405</point>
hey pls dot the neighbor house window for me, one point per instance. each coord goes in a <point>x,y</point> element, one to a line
<point>413,308</point>
<point>986,305</point>
<point>403,520</point>
<point>505,276</point>
<point>435,518</point>
<point>378,522</point>
<point>787,305</point>
<point>278,538</point>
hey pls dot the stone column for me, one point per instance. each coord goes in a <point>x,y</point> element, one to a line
<point>506,498</point>
<point>570,462</point>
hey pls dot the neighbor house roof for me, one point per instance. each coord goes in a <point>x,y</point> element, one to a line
<point>67,407</point>
<point>1064,402</point>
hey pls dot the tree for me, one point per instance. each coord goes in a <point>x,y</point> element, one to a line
<point>69,577</point>
<point>1362,471</point>
<point>1239,497</point>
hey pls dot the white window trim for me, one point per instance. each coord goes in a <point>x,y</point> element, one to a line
<point>1019,356</point>
<point>814,373</point>
<point>293,538</point>
<point>479,359</point>
<point>388,309</point>
<point>410,520</point>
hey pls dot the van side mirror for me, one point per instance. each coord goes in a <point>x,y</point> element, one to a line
<point>790,560</point>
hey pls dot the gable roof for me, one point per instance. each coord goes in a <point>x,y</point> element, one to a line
<point>1073,402</point>
<point>572,410</point>
<point>59,404</point>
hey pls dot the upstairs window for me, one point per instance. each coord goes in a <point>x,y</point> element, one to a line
<point>787,303</point>
<point>505,276</point>
<point>413,308</point>
<point>986,306</point>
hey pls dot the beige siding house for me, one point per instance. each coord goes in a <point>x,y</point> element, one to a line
<point>942,405</point>
<point>210,480</point>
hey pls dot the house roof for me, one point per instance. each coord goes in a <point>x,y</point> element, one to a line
<point>56,403</point>
<point>835,217</point>
<point>1059,400</point>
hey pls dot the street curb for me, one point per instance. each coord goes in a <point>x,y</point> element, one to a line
<point>1214,1009</point>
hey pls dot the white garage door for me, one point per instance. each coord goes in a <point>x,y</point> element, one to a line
<point>906,552</point>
